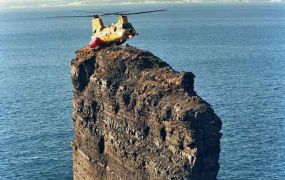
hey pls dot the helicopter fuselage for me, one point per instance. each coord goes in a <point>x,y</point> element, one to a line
<point>117,33</point>
<point>112,34</point>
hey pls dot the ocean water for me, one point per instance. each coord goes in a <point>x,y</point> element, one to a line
<point>237,53</point>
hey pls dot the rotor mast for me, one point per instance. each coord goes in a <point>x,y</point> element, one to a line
<point>122,19</point>
<point>97,24</point>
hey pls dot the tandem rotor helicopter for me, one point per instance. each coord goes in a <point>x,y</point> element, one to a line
<point>117,33</point>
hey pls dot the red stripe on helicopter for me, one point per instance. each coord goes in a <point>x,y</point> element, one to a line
<point>94,43</point>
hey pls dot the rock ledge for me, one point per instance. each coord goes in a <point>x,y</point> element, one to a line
<point>136,118</point>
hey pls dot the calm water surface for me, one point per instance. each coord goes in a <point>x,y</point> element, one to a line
<point>235,51</point>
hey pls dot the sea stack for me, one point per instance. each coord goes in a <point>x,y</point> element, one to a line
<point>136,118</point>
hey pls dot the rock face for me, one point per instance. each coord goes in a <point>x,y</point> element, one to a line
<point>136,118</point>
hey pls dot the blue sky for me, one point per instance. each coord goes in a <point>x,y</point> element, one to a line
<point>59,3</point>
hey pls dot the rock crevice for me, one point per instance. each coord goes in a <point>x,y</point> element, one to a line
<point>137,118</point>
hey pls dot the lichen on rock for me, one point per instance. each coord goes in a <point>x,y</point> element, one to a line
<point>137,118</point>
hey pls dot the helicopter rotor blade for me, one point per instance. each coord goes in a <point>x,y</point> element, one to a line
<point>70,16</point>
<point>120,13</point>
<point>100,14</point>
<point>95,12</point>
<point>142,12</point>
<point>113,13</point>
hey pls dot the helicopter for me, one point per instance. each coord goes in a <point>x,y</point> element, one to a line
<point>117,33</point>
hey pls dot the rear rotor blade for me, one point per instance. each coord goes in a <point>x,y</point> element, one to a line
<point>102,13</point>
<point>70,16</point>
<point>95,14</point>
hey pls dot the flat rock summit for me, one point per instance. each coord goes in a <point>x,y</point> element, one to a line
<point>136,118</point>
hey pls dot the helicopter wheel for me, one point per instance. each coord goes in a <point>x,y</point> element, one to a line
<point>121,42</point>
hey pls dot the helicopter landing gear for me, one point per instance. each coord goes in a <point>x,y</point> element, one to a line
<point>120,42</point>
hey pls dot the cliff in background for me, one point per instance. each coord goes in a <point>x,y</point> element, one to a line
<point>136,118</point>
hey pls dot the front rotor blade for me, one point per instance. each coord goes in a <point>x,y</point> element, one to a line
<point>142,12</point>
<point>113,13</point>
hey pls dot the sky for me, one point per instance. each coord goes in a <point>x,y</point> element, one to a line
<point>61,3</point>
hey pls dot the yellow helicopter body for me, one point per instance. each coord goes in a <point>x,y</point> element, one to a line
<point>113,34</point>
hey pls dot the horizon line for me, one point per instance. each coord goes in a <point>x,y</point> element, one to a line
<point>81,4</point>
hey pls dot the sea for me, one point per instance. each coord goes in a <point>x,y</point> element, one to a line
<point>236,51</point>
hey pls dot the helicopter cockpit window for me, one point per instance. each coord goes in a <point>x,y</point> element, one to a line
<point>127,26</point>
